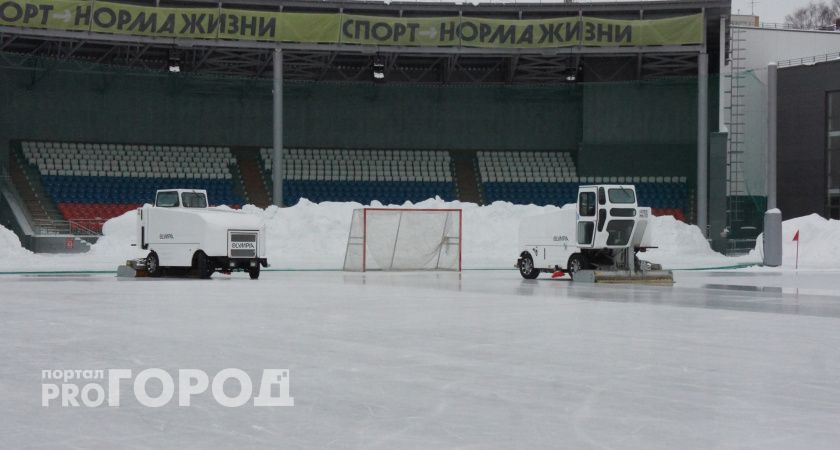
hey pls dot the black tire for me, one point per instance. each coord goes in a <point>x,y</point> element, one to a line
<point>254,272</point>
<point>527,269</point>
<point>153,265</point>
<point>201,264</point>
<point>576,262</point>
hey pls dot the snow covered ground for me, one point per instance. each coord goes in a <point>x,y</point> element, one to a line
<point>481,359</point>
<point>314,236</point>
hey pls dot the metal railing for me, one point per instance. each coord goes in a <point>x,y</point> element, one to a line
<point>739,247</point>
<point>86,227</point>
<point>810,60</point>
<point>8,184</point>
<point>80,227</point>
<point>785,26</point>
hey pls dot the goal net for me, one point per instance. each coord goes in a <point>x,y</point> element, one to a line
<point>404,239</point>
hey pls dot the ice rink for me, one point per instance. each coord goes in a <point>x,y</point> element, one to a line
<point>481,359</point>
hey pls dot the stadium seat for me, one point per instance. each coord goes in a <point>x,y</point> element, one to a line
<point>550,178</point>
<point>93,182</point>
<point>363,175</point>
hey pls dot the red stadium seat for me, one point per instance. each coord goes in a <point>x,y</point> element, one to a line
<point>677,213</point>
<point>91,216</point>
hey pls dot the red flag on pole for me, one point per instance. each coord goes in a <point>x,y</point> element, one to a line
<point>796,236</point>
<point>796,239</point>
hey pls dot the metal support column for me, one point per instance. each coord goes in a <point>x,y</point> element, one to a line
<point>703,142</point>
<point>772,80</point>
<point>277,150</point>
<point>721,78</point>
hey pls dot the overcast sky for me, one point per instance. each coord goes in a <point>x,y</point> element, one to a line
<point>769,10</point>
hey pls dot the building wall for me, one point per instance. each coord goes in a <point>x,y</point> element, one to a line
<point>765,45</point>
<point>802,137</point>
<point>760,47</point>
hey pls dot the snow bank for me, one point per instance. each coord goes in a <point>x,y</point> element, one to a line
<point>115,244</point>
<point>683,246</point>
<point>314,236</point>
<point>819,243</point>
<point>10,246</point>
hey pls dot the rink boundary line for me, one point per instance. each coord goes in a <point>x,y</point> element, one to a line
<point>106,272</point>
<point>735,266</point>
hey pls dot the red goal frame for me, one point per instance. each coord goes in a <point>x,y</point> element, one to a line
<point>460,229</point>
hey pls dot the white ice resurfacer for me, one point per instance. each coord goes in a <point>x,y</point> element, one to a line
<point>596,241</point>
<point>185,236</point>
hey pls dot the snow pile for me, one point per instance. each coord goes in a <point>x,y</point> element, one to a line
<point>819,243</point>
<point>10,246</point>
<point>314,236</point>
<point>683,246</point>
<point>307,235</point>
<point>115,244</point>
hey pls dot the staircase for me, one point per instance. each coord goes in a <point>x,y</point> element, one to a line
<point>465,164</point>
<point>27,182</point>
<point>252,179</point>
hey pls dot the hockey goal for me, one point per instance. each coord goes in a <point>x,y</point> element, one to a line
<point>390,239</point>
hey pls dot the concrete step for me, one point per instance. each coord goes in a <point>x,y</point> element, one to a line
<point>252,176</point>
<point>466,176</point>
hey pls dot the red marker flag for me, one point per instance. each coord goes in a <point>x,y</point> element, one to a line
<point>796,239</point>
<point>796,236</point>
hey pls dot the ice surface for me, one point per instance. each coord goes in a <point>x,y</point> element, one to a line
<point>481,359</point>
<point>314,236</point>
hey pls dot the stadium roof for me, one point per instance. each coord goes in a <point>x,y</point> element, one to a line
<point>413,64</point>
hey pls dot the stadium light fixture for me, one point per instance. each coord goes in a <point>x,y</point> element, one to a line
<point>378,69</point>
<point>571,75</point>
<point>174,62</point>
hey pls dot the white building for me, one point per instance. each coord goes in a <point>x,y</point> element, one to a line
<point>752,48</point>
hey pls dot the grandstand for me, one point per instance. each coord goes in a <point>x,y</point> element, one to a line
<point>89,183</point>
<point>550,178</point>
<point>100,121</point>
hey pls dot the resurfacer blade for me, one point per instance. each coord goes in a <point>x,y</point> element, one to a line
<point>133,268</point>
<point>657,277</point>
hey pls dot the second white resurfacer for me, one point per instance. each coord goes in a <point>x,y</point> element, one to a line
<point>597,240</point>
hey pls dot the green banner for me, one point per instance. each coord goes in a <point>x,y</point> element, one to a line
<point>47,14</point>
<point>295,27</point>
<point>376,30</point>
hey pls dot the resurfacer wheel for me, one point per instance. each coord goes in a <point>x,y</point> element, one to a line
<point>254,272</point>
<point>577,262</point>
<point>527,269</point>
<point>153,265</point>
<point>201,264</point>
